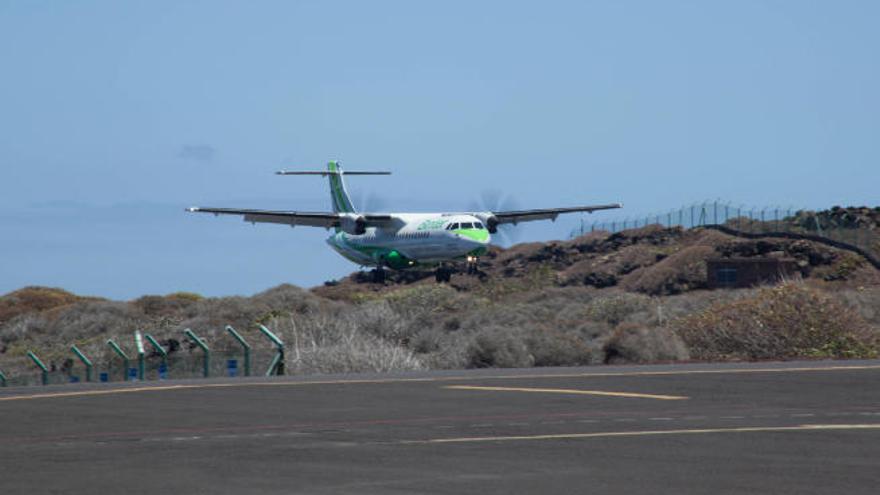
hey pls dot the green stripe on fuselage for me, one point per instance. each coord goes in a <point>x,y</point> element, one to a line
<point>480,235</point>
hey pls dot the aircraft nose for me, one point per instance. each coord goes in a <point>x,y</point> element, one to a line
<point>479,240</point>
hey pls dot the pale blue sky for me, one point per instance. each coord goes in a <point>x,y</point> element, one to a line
<point>114,116</point>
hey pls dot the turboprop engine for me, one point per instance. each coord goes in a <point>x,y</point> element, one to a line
<point>353,224</point>
<point>489,220</point>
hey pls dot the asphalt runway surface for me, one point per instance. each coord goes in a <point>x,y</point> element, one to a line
<point>780,428</point>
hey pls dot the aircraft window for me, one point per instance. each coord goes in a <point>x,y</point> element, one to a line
<point>454,227</point>
<point>478,225</point>
<point>467,225</point>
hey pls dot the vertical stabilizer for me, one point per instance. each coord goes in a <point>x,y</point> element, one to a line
<point>338,194</point>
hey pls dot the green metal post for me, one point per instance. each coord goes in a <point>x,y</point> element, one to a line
<point>42,367</point>
<point>2,379</point>
<point>161,350</point>
<point>274,364</point>
<point>245,346</point>
<point>85,361</point>
<point>201,343</point>
<point>277,366</point>
<point>139,342</point>
<point>118,350</point>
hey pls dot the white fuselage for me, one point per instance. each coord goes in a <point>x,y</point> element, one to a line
<point>414,239</point>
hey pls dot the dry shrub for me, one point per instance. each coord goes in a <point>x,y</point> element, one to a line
<point>287,297</point>
<point>324,343</point>
<point>32,300</point>
<point>616,307</point>
<point>680,272</point>
<point>790,320</point>
<point>163,306</point>
<point>632,343</point>
<point>864,300</point>
<point>552,347</point>
<point>495,347</point>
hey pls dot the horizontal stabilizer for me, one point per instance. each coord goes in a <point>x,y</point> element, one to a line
<point>329,172</point>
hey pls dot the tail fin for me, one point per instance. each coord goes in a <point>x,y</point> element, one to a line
<point>338,194</point>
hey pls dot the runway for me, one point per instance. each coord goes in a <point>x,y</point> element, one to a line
<point>780,428</point>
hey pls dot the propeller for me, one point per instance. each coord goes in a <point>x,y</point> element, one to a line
<point>494,200</point>
<point>370,202</point>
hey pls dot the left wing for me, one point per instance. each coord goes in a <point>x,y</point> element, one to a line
<point>518,216</point>
<point>292,218</point>
<point>311,219</point>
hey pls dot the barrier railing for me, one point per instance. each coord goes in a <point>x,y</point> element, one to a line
<point>158,363</point>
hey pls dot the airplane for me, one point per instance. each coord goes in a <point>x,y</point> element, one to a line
<point>399,241</point>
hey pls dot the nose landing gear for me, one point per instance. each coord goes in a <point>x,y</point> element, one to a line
<point>473,265</point>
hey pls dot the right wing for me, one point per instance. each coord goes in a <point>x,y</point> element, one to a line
<point>516,217</point>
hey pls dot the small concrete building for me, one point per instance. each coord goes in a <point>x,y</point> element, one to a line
<point>726,273</point>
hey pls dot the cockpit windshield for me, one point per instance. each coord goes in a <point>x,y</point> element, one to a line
<point>464,225</point>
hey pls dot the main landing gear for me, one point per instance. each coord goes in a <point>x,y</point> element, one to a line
<point>378,275</point>
<point>443,274</point>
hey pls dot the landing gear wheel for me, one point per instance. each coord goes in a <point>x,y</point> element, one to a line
<point>443,274</point>
<point>378,276</point>
<point>472,268</point>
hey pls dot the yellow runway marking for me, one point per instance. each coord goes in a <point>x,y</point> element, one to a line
<point>608,434</point>
<point>85,393</point>
<point>436,379</point>
<point>566,391</point>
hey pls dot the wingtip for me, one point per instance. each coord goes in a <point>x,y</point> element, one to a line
<point>192,209</point>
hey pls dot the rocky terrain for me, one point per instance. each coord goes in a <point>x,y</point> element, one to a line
<point>635,296</point>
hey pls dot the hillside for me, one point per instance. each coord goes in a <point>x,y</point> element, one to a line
<point>634,296</point>
<point>652,260</point>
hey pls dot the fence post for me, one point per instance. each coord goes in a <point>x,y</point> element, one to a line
<point>245,346</point>
<point>139,343</point>
<point>201,343</point>
<point>2,379</point>
<point>161,350</point>
<point>43,368</point>
<point>118,350</point>
<point>85,361</point>
<point>277,366</point>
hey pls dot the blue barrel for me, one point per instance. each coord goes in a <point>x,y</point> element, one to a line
<point>163,371</point>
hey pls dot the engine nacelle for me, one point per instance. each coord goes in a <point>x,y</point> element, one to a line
<point>353,224</point>
<point>489,220</point>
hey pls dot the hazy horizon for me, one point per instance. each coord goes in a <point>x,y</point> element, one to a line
<point>117,116</point>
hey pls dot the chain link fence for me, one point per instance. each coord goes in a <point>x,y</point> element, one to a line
<point>856,226</point>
